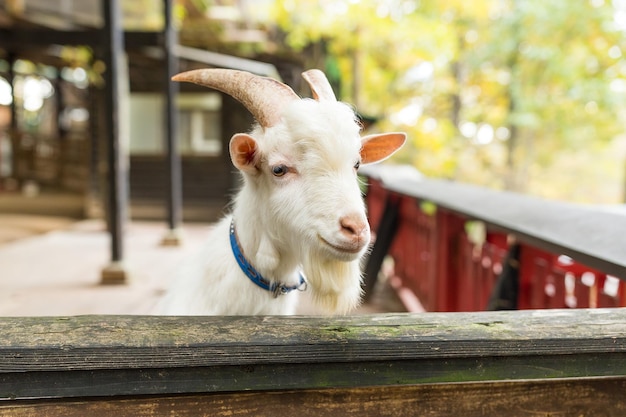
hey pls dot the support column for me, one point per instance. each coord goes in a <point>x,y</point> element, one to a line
<point>174,197</point>
<point>94,206</point>
<point>14,134</point>
<point>115,272</point>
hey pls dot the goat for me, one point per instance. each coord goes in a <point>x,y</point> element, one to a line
<point>299,213</point>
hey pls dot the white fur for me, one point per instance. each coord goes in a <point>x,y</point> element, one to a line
<point>281,221</point>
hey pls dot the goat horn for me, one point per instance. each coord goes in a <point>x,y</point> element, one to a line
<point>263,97</point>
<point>320,87</point>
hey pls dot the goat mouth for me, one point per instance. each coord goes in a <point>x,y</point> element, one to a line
<point>349,249</point>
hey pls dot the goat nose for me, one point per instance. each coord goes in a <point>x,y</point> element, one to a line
<point>354,227</point>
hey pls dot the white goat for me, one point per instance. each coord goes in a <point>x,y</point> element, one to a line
<point>300,212</point>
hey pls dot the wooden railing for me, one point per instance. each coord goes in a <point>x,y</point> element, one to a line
<point>457,247</point>
<point>548,363</point>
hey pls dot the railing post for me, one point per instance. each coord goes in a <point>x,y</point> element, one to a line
<point>535,273</point>
<point>385,233</point>
<point>446,279</point>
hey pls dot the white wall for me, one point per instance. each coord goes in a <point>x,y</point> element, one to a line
<point>147,124</point>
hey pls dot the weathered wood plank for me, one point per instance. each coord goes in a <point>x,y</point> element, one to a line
<point>582,397</point>
<point>57,357</point>
<point>227,340</point>
<point>301,376</point>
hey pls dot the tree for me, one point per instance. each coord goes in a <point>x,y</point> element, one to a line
<point>491,91</point>
<point>547,69</point>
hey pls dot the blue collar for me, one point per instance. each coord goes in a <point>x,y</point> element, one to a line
<point>276,288</point>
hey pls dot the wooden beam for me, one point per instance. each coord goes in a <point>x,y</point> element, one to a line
<point>219,60</point>
<point>580,397</point>
<point>62,357</point>
<point>18,38</point>
<point>117,181</point>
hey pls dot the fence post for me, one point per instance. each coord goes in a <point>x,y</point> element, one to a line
<point>385,233</point>
<point>449,229</point>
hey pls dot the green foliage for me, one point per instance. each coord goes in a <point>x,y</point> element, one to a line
<point>490,91</point>
<point>142,14</point>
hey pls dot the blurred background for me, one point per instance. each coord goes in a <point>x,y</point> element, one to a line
<point>520,95</point>
<point>524,95</point>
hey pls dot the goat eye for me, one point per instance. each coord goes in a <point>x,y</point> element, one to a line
<point>279,170</point>
<point>357,164</point>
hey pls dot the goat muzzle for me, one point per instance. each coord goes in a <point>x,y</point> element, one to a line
<point>354,229</point>
<point>352,236</point>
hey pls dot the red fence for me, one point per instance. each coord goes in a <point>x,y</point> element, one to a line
<point>442,261</point>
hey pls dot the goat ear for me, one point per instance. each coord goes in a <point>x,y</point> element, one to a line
<point>377,147</point>
<point>244,152</point>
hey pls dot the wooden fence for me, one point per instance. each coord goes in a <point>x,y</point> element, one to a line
<point>530,252</point>
<point>539,363</point>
